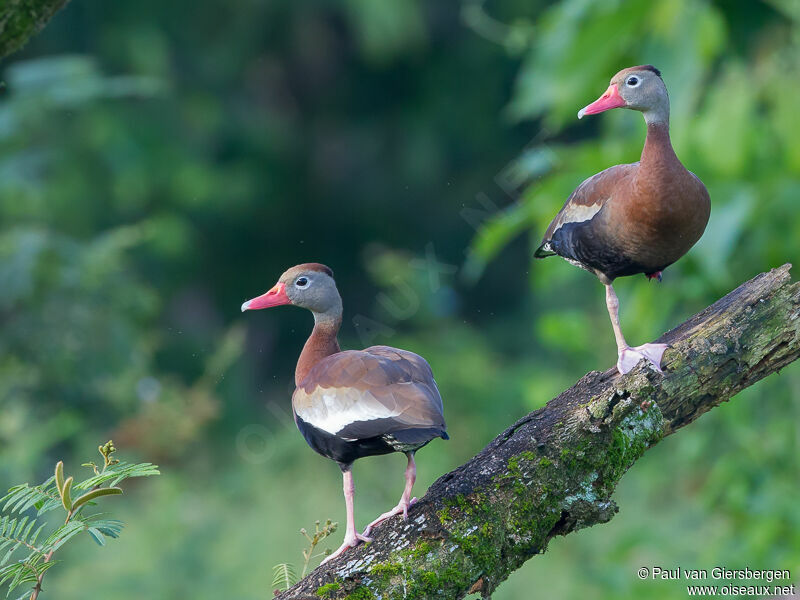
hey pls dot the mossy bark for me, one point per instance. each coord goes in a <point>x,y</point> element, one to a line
<point>20,19</point>
<point>554,471</point>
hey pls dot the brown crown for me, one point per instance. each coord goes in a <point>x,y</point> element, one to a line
<point>319,267</point>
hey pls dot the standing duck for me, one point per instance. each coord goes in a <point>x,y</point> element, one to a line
<point>355,403</point>
<point>636,218</point>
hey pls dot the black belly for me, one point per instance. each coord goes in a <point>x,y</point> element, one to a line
<point>342,451</point>
<point>583,244</point>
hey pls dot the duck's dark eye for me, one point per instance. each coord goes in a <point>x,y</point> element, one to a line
<point>301,282</point>
<point>632,81</point>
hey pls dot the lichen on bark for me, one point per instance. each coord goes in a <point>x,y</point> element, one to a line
<point>20,19</point>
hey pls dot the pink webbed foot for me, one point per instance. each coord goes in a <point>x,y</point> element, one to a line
<point>629,357</point>
<point>350,541</point>
<point>402,507</point>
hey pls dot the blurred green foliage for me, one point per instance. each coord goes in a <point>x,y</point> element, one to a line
<point>162,162</point>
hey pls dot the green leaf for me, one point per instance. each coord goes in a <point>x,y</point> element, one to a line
<point>22,497</point>
<point>108,527</point>
<point>59,476</point>
<point>63,534</point>
<point>119,472</point>
<point>24,596</point>
<point>23,572</point>
<point>66,494</point>
<point>16,534</point>
<point>283,576</point>
<point>97,536</point>
<point>89,496</point>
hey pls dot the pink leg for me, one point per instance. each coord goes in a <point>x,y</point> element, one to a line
<point>628,357</point>
<point>351,536</point>
<point>405,500</point>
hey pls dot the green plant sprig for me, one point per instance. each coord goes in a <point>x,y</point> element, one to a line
<point>284,574</point>
<point>20,534</point>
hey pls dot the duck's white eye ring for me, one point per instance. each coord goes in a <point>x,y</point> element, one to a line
<point>633,81</point>
<point>302,282</point>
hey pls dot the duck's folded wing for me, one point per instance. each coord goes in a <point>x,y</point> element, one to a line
<point>378,391</point>
<point>586,201</point>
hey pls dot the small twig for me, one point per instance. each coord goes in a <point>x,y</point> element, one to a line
<point>23,542</point>
<point>319,535</point>
<point>48,557</point>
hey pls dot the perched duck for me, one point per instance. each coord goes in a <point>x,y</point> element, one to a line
<point>355,403</point>
<point>636,218</point>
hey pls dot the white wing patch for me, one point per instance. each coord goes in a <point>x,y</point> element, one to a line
<point>577,213</point>
<point>333,409</point>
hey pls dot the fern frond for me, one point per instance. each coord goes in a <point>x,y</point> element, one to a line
<point>100,529</point>
<point>22,572</point>
<point>63,534</point>
<point>16,575</point>
<point>16,533</point>
<point>20,498</point>
<point>25,595</point>
<point>283,576</point>
<point>119,472</point>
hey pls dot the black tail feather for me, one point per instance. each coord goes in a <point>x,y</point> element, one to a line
<point>544,250</point>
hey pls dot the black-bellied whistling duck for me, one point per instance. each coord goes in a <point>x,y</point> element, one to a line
<point>355,403</point>
<point>637,218</point>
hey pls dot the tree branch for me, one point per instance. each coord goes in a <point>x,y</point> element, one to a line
<point>553,472</point>
<point>21,19</point>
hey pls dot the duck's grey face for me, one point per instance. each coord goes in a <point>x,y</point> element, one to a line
<point>309,285</point>
<point>642,89</point>
<point>637,88</point>
<point>311,289</point>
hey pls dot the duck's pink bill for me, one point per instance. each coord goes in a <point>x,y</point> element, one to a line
<point>275,297</point>
<point>610,99</point>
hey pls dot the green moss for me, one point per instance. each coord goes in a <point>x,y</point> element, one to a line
<point>569,459</point>
<point>360,593</point>
<point>459,502</point>
<point>385,570</point>
<point>435,582</point>
<point>496,528</point>
<point>616,453</point>
<point>327,589</point>
<point>432,576</point>
<point>444,515</point>
<point>514,461</point>
<point>421,550</point>
<point>516,472</point>
<point>429,580</point>
<point>634,434</point>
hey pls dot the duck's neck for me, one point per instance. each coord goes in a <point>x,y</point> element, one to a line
<point>657,154</point>
<point>321,343</point>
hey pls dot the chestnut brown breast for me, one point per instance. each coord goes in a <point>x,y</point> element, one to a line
<point>634,218</point>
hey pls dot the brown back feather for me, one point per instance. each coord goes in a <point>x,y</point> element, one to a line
<point>398,381</point>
